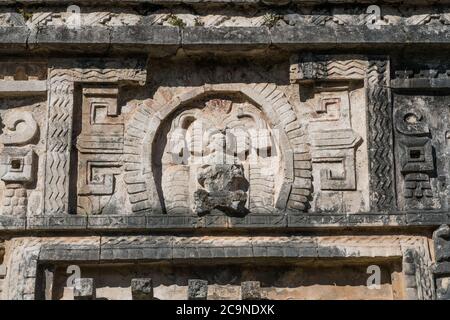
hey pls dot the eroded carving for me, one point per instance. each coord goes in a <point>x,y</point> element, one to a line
<point>18,161</point>
<point>217,145</point>
<point>334,146</point>
<point>334,82</point>
<point>310,68</point>
<point>328,16</point>
<point>62,79</point>
<point>20,128</point>
<point>416,157</point>
<point>100,147</point>
<point>223,187</point>
<point>142,289</point>
<point>22,71</point>
<point>197,289</point>
<point>84,289</point>
<point>441,269</point>
<point>187,148</point>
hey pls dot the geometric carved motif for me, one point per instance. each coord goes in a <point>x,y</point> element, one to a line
<point>218,147</point>
<point>336,146</point>
<point>310,68</point>
<point>63,77</point>
<point>380,136</point>
<point>422,124</point>
<point>415,156</point>
<point>334,141</point>
<point>99,145</point>
<point>101,151</point>
<point>18,161</point>
<point>334,73</point>
<point>441,269</point>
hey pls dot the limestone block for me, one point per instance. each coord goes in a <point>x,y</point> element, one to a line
<point>142,289</point>
<point>250,290</point>
<point>441,238</point>
<point>3,271</point>
<point>17,165</point>
<point>84,289</point>
<point>443,288</point>
<point>197,289</point>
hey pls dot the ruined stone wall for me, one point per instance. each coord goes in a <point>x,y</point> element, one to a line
<point>224,150</point>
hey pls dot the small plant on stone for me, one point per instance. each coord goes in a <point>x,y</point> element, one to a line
<point>271,19</point>
<point>175,21</point>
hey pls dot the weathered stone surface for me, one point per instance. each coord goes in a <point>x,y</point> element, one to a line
<point>197,289</point>
<point>443,289</point>
<point>142,289</point>
<point>441,239</point>
<point>441,269</point>
<point>3,267</point>
<point>243,143</point>
<point>220,183</point>
<point>84,289</point>
<point>26,259</point>
<point>250,290</point>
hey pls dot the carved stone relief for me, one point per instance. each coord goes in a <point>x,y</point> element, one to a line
<point>30,256</point>
<point>223,148</point>
<point>99,110</point>
<point>334,145</point>
<point>261,152</point>
<point>441,268</point>
<point>21,151</point>
<point>230,123</point>
<point>337,112</point>
<point>220,155</point>
<point>100,148</point>
<point>197,149</point>
<point>22,107</point>
<point>420,142</point>
<point>230,17</point>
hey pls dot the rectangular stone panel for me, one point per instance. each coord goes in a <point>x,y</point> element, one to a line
<point>421,125</point>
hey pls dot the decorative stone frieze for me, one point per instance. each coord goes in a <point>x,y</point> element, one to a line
<point>224,150</point>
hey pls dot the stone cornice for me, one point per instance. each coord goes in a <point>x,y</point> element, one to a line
<point>146,39</point>
<point>237,2</point>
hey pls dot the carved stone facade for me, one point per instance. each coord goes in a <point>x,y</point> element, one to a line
<point>125,130</point>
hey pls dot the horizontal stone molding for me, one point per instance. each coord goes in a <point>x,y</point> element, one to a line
<point>237,2</point>
<point>155,222</point>
<point>23,88</point>
<point>424,79</point>
<point>29,253</point>
<point>144,39</point>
